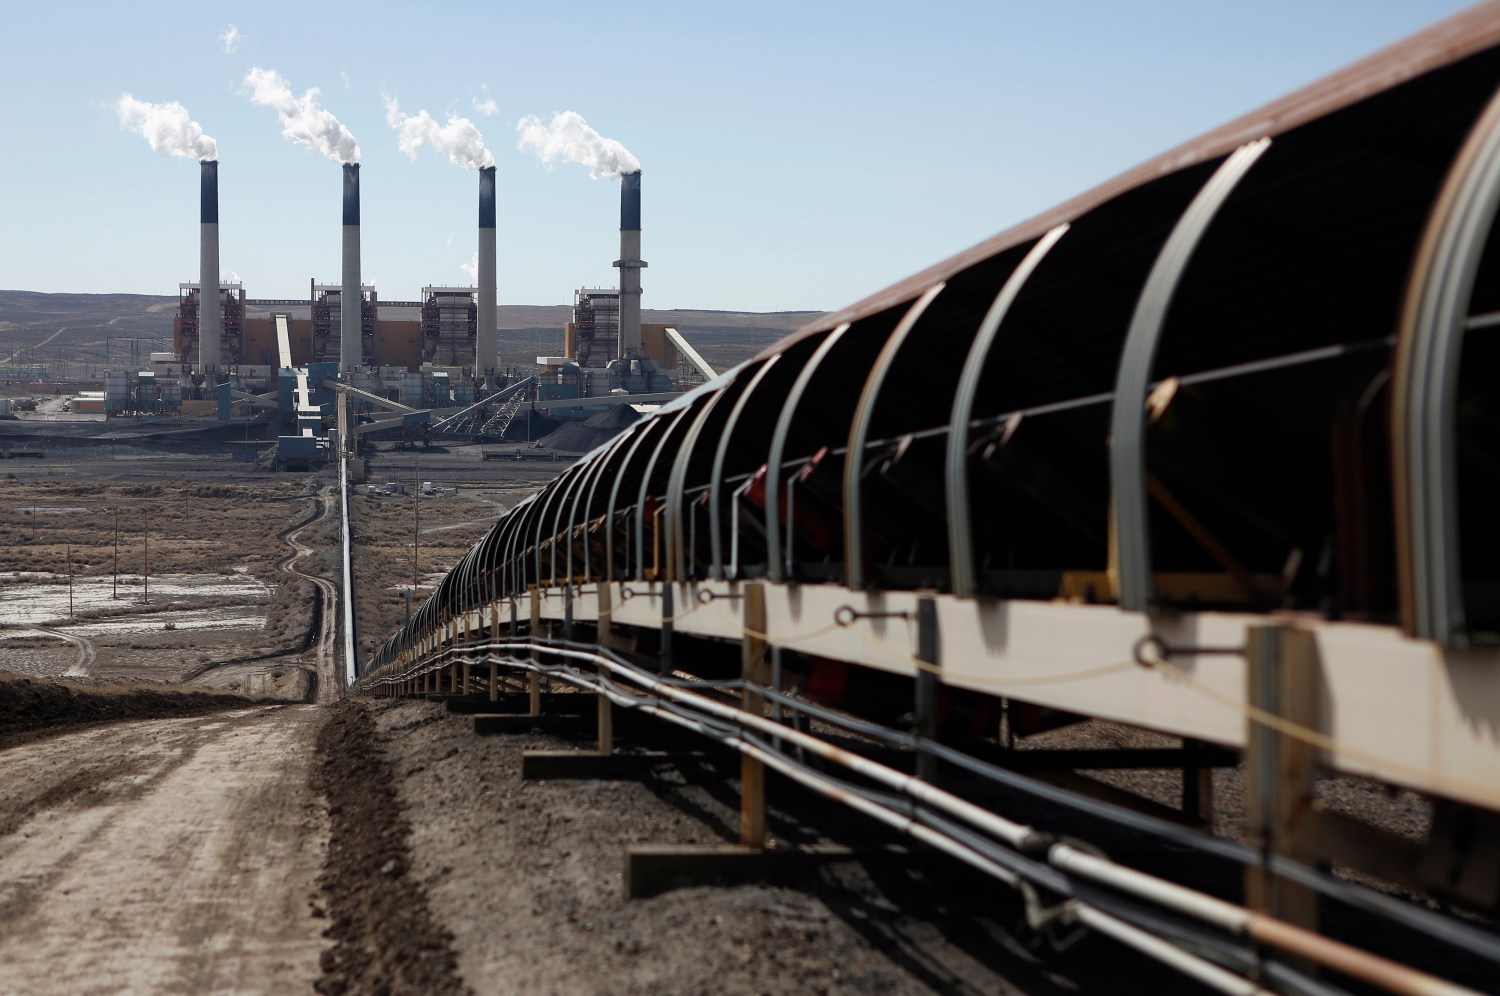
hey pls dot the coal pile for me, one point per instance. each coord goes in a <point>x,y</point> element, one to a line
<point>531,426</point>
<point>580,437</point>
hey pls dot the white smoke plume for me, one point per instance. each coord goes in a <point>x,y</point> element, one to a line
<point>459,138</point>
<point>167,128</point>
<point>568,137</point>
<point>302,120</point>
<point>231,39</point>
<point>471,268</point>
<point>486,105</point>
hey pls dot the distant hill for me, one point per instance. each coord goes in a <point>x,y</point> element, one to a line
<point>79,334</point>
<point>723,338</point>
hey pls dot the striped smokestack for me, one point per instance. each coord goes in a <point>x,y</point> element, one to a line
<point>350,300</point>
<point>208,267</point>
<point>630,264</point>
<point>484,338</point>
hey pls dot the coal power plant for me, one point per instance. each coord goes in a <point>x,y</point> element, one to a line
<point>375,344</point>
<point>407,367</point>
<point>345,325</point>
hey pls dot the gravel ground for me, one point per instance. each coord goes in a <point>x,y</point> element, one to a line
<point>528,878</point>
<point>163,856</point>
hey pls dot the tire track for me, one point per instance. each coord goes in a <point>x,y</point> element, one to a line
<point>322,633</point>
<point>319,627</point>
<point>87,652</point>
<point>164,856</point>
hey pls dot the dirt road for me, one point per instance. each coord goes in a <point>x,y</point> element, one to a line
<point>325,641</point>
<point>87,654</point>
<point>167,856</point>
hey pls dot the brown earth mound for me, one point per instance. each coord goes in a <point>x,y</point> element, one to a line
<point>385,939</point>
<point>37,706</point>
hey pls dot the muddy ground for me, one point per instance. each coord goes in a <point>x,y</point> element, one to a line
<point>382,846</point>
<point>176,564</point>
<point>522,885</point>
<point>164,856</point>
<point>154,581</point>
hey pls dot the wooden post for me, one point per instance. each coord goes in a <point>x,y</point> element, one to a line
<point>608,638</point>
<point>1197,787</point>
<point>534,680</point>
<point>494,663</point>
<point>927,686</point>
<point>752,668</point>
<point>606,724</point>
<point>463,667</point>
<point>668,610</point>
<point>1282,672</point>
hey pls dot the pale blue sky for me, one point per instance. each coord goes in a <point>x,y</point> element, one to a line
<point>796,155</point>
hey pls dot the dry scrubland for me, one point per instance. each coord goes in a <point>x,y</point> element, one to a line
<point>203,539</point>
<point>382,554</point>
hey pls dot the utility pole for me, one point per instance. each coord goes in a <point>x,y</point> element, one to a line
<point>70,580</point>
<point>116,593</point>
<point>146,534</point>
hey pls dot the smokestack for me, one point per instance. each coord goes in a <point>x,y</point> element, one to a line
<point>630,264</point>
<point>350,300</point>
<point>208,267</point>
<point>484,337</point>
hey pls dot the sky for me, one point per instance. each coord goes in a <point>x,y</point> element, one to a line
<point>795,155</point>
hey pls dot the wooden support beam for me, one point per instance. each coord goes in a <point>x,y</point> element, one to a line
<point>534,680</point>
<point>1197,784</point>
<point>488,724</point>
<point>606,724</point>
<point>927,686</point>
<point>608,638</point>
<point>495,637</point>
<point>1283,673</point>
<point>571,764</point>
<point>1200,756</point>
<point>753,667</point>
<point>651,869</point>
<point>506,702</point>
<point>664,663</point>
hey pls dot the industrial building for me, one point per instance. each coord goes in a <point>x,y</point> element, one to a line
<point>440,328</point>
<point>425,365</point>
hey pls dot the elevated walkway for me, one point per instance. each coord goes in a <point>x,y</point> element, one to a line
<point>374,399</point>
<point>699,363</point>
